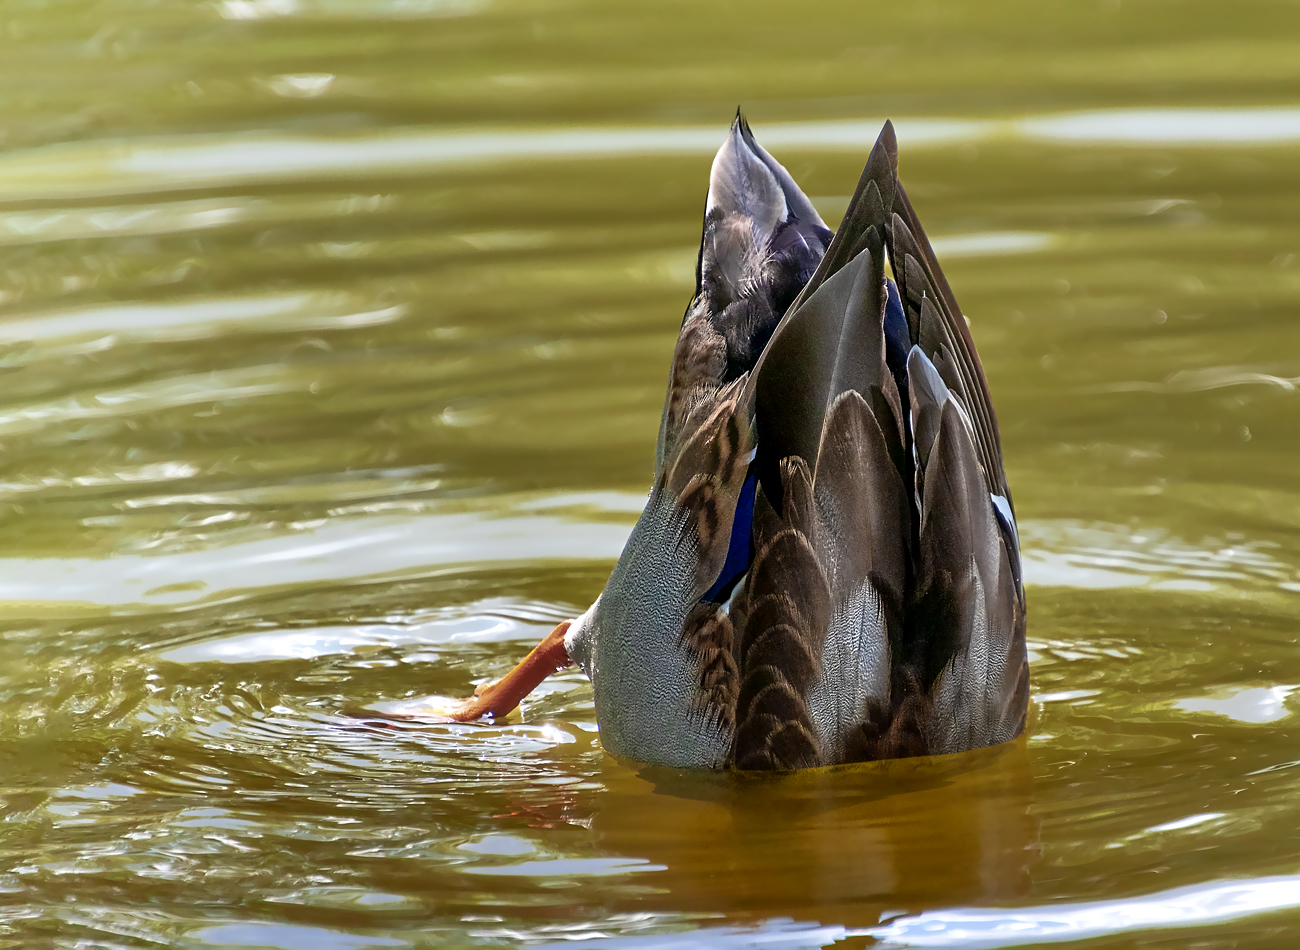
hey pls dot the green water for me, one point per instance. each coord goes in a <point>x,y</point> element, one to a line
<point>333,338</point>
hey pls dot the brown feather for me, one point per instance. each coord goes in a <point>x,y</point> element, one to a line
<point>710,637</point>
<point>786,615</point>
<point>936,321</point>
<point>707,474</point>
<point>864,505</point>
<point>966,600</point>
<point>698,362</point>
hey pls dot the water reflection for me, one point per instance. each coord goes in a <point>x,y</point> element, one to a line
<point>1180,908</point>
<point>195,320</point>
<point>1259,704</point>
<point>349,9</point>
<point>1195,127</point>
<point>150,165</point>
<point>70,224</point>
<point>385,529</point>
<point>837,845</point>
<point>333,348</point>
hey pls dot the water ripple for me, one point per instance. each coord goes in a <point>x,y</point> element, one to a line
<point>1185,907</point>
<point>179,320</point>
<point>211,161</point>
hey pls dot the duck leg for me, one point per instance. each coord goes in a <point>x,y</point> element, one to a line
<point>499,698</point>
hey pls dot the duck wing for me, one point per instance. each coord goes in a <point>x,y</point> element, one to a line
<point>883,613</point>
<point>961,677</point>
<point>659,642</point>
<point>832,517</point>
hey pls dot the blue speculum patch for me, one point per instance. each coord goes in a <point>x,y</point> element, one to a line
<point>737,562</point>
<point>897,337</point>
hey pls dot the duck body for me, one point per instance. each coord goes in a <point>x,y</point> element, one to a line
<point>827,569</point>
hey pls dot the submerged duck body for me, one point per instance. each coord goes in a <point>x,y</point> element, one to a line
<point>827,569</point>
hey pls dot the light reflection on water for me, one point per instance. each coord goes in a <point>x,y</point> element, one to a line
<point>366,542</point>
<point>334,337</point>
<point>196,320</point>
<point>126,168</point>
<point>1187,907</point>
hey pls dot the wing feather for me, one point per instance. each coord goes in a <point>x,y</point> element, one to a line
<point>915,535</point>
<point>867,602</point>
<point>965,600</point>
<point>788,608</point>
<point>938,326</point>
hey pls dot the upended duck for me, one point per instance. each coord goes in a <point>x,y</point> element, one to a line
<point>827,569</point>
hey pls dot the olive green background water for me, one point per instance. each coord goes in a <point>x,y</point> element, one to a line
<point>333,338</point>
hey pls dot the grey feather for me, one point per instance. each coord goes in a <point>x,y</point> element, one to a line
<point>966,595</point>
<point>880,610</point>
<point>796,200</point>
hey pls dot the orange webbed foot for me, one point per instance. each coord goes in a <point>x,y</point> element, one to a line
<point>497,699</point>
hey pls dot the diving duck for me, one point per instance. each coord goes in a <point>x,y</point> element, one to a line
<point>827,569</point>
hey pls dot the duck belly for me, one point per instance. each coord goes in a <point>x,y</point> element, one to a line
<point>630,646</point>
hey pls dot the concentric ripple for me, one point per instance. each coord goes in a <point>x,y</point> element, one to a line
<point>333,340</point>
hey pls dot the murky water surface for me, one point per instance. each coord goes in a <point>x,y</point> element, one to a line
<point>333,338</point>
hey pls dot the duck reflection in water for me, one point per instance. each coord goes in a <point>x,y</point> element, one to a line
<point>827,569</point>
<point>841,846</point>
<point>844,845</point>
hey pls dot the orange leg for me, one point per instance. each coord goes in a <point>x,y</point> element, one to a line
<point>499,698</point>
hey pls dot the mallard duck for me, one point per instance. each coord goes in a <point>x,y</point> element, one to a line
<point>827,569</point>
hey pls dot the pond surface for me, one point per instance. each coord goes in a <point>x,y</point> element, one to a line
<point>333,340</point>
